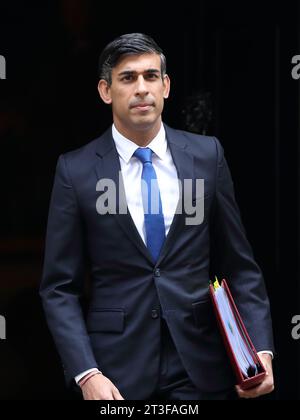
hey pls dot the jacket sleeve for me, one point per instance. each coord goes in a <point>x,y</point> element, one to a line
<point>232,258</point>
<point>63,277</point>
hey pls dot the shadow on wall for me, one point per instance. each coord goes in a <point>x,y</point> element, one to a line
<point>197,113</point>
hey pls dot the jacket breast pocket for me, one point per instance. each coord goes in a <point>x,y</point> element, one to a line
<point>106,320</point>
<point>201,206</point>
<point>205,196</point>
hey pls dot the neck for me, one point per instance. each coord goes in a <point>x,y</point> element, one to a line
<point>141,137</point>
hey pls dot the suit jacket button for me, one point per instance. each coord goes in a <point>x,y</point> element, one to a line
<point>154,314</point>
<point>157,272</point>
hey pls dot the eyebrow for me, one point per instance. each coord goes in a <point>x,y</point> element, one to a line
<point>132,72</point>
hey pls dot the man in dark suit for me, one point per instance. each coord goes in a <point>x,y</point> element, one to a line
<point>150,327</point>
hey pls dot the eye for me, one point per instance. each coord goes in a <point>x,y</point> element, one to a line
<point>151,76</point>
<point>127,78</point>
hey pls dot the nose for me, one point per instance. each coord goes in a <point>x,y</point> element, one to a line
<point>141,86</point>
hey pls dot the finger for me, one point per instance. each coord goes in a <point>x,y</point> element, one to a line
<point>250,393</point>
<point>117,395</point>
<point>241,393</point>
<point>109,397</point>
<point>245,394</point>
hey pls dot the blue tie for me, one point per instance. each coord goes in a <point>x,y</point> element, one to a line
<point>154,219</point>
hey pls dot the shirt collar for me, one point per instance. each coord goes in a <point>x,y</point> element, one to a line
<point>126,147</point>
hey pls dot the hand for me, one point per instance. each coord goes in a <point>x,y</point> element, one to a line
<point>99,387</point>
<point>266,386</point>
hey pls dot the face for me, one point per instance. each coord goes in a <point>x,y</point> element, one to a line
<point>137,94</point>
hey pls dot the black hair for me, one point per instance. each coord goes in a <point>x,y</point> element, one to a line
<point>128,44</point>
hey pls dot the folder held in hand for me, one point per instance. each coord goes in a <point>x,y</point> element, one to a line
<point>245,361</point>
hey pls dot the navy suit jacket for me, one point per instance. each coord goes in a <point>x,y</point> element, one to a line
<point>120,332</point>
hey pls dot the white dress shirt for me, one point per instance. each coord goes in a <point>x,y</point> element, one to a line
<point>131,168</point>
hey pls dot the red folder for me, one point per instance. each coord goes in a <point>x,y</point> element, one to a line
<point>243,381</point>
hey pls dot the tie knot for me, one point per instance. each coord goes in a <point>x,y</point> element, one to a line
<point>144,154</point>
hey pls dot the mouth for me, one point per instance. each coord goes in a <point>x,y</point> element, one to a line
<point>142,106</point>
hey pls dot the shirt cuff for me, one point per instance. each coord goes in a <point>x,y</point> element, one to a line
<point>81,375</point>
<point>266,352</point>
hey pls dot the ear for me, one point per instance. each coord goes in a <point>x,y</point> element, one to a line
<point>167,83</point>
<point>104,91</point>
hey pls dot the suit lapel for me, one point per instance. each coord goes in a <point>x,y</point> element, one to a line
<point>108,167</point>
<point>184,163</point>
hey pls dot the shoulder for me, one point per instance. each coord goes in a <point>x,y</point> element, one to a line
<point>84,158</point>
<point>82,154</point>
<point>197,144</point>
